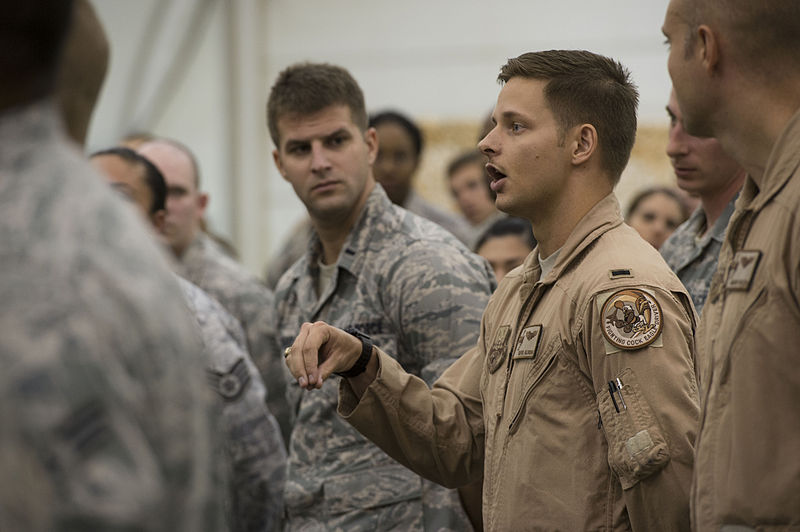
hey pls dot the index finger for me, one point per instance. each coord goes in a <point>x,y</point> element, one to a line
<point>294,359</point>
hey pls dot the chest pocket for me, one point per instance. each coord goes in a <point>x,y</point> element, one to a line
<point>529,366</point>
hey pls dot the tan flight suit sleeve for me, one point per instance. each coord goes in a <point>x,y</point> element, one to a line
<point>651,438</point>
<point>436,433</point>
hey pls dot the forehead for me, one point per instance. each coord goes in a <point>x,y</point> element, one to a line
<point>677,14</point>
<point>173,163</point>
<point>118,170</point>
<point>295,127</point>
<point>522,96</point>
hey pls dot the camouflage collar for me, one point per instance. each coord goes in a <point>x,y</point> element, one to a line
<point>23,129</point>
<point>378,210</point>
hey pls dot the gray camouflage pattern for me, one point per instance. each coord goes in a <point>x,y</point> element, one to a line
<point>252,304</point>
<point>694,259</point>
<point>457,225</point>
<point>417,292</point>
<point>104,411</point>
<point>253,447</point>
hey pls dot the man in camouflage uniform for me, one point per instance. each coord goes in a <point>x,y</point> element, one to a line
<point>101,398</point>
<point>373,266</point>
<point>202,262</point>
<point>705,170</point>
<point>252,443</point>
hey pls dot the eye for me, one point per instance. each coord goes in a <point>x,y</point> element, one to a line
<point>337,140</point>
<point>516,127</point>
<point>298,149</point>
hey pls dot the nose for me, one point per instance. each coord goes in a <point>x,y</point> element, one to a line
<point>677,145</point>
<point>488,144</point>
<point>319,158</point>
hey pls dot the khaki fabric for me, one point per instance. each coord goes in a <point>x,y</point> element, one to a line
<point>748,455</point>
<point>529,407</point>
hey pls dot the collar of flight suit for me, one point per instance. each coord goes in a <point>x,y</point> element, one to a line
<point>604,216</point>
<point>781,165</point>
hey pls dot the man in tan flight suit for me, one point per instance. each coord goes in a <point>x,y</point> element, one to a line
<point>579,402</point>
<point>735,66</point>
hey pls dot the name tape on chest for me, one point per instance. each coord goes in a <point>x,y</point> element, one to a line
<point>528,342</point>
<point>742,269</point>
<point>631,319</point>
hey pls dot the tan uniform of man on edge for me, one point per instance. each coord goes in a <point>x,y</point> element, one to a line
<point>735,67</point>
<point>579,402</point>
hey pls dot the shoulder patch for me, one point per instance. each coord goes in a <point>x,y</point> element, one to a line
<point>231,384</point>
<point>631,319</point>
<point>497,353</point>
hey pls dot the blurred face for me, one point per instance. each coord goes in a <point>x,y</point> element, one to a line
<point>185,204</point>
<point>700,164</point>
<point>127,179</point>
<point>527,163</point>
<point>396,162</point>
<point>504,253</point>
<point>468,185</point>
<point>327,159</point>
<point>686,69</point>
<point>656,217</point>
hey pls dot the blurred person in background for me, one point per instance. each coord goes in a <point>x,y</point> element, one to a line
<point>102,403</point>
<point>400,145</point>
<point>469,185</point>
<point>655,213</point>
<point>252,447</point>
<point>201,261</point>
<point>706,171</point>
<point>506,244</point>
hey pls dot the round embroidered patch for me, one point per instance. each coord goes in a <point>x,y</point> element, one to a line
<point>631,319</point>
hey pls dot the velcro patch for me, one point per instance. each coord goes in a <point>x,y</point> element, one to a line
<point>528,342</point>
<point>742,269</point>
<point>631,319</point>
<point>497,353</point>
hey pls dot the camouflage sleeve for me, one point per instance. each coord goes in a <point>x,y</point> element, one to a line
<point>258,306</point>
<point>252,442</point>
<point>439,294</point>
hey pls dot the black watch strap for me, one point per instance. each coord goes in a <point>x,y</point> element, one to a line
<point>366,353</point>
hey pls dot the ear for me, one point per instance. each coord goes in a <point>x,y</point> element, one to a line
<point>584,144</point>
<point>371,138</point>
<point>202,202</point>
<point>157,219</point>
<point>709,48</point>
<point>276,157</point>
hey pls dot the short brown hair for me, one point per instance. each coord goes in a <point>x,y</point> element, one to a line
<point>585,88</point>
<point>306,88</point>
<point>764,33</point>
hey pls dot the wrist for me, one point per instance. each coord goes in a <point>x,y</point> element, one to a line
<point>360,364</point>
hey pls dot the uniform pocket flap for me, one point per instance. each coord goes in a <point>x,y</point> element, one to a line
<point>371,488</point>
<point>636,444</point>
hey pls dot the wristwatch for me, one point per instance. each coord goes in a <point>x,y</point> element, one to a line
<point>366,353</point>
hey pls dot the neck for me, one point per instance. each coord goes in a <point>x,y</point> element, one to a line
<point>714,204</point>
<point>553,223</point>
<point>333,231</point>
<point>755,119</point>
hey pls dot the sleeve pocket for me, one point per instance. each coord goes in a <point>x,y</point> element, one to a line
<point>636,444</point>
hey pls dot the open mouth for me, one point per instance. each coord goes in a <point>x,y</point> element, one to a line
<point>493,172</point>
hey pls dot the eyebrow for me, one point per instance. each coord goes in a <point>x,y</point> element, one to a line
<point>301,141</point>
